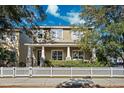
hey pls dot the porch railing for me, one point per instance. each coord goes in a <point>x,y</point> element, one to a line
<point>61,71</point>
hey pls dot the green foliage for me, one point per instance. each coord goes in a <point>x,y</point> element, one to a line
<point>7,55</point>
<point>12,57</point>
<point>48,63</point>
<point>16,12</point>
<point>11,16</point>
<point>22,64</point>
<point>77,64</point>
<point>109,39</point>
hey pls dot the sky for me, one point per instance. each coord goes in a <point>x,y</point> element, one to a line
<point>64,15</point>
<point>61,15</point>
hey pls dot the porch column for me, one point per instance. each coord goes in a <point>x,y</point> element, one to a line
<point>28,63</point>
<point>34,59</point>
<point>43,52</point>
<point>42,56</point>
<point>94,54</point>
<point>68,54</point>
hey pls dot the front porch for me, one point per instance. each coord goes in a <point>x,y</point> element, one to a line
<point>37,53</point>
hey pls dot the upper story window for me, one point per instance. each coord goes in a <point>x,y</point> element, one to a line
<point>39,35</point>
<point>9,37</point>
<point>57,34</point>
<point>13,37</point>
<point>76,35</point>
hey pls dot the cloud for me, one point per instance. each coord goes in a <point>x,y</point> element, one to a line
<point>74,18</point>
<point>53,10</point>
<point>71,17</point>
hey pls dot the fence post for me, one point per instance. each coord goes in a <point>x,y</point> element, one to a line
<point>91,72</point>
<point>71,72</point>
<point>30,71</point>
<point>13,71</point>
<point>111,74</point>
<point>51,71</point>
<point>1,71</point>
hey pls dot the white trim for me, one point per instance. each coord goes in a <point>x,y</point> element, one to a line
<point>57,50</point>
<point>52,45</point>
<point>57,27</point>
<point>43,52</point>
<point>68,51</point>
<point>29,52</point>
<point>62,34</point>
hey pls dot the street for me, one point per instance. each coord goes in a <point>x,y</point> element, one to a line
<point>53,82</point>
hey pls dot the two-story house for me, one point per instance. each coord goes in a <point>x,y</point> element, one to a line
<point>62,45</point>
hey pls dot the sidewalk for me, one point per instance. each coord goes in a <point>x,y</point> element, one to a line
<point>53,82</point>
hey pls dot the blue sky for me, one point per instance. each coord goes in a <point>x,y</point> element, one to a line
<point>56,15</point>
<point>61,15</point>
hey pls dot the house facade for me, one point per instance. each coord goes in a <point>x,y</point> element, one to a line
<point>60,43</point>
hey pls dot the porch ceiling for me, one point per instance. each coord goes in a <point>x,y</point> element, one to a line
<point>51,45</point>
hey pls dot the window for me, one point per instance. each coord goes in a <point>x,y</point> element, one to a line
<point>39,35</point>
<point>77,54</point>
<point>76,35</point>
<point>57,34</point>
<point>57,54</point>
<point>13,37</point>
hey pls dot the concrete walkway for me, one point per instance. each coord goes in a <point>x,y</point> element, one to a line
<point>53,82</point>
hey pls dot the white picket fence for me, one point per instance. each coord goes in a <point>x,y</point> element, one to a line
<point>62,71</point>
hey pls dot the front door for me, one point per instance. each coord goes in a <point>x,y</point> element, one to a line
<point>38,57</point>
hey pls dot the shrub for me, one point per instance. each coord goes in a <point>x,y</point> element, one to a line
<point>7,57</point>
<point>48,63</point>
<point>2,63</point>
<point>76,63</point>
<point>22,64</point>
<point>10,64</point>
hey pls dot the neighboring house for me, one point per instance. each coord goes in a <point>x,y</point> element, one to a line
<point>9,40</point>
<point>52,43</point>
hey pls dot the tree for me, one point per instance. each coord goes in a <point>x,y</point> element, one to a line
<point>108,29</point>
<point>15,14</point>
<point>7,57</point>
<point>21,17</point>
